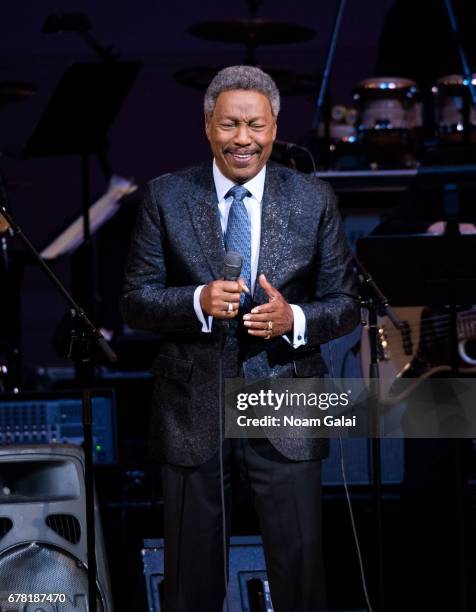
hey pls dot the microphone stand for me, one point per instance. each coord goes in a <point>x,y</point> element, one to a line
<point>83,335</point>
<point>376,304</point>
<point>326,76</point>
<point>468,73</point>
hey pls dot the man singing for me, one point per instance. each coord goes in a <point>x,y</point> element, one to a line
<point>295,293</point>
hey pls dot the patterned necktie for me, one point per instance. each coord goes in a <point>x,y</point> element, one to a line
<point>238,235</point>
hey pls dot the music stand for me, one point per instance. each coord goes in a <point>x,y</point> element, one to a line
<point>81,109</point>
<point>76,122</point>
<point>422,269</point>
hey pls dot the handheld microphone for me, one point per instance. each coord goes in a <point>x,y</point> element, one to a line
<point>232,266</point>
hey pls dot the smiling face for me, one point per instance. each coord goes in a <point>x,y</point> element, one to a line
<point>241,131</point>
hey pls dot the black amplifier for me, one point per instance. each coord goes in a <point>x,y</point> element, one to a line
<point>56,418</point>
<point>248,588</point>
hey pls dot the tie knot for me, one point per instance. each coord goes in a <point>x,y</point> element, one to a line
<point>238,192</point>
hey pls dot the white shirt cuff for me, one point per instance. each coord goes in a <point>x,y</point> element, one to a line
<point>205,321</point>
<point>299,327</point>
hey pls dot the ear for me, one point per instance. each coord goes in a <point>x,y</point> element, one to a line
<point>275,129</point>
<point>207,124</point>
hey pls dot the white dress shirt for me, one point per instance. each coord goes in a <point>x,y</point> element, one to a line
<point>253,206</point>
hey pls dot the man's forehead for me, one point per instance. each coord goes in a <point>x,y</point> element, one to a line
<point>243,101</point>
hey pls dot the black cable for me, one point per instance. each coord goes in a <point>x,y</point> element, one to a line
<point>354,528</point>
<point>222,484</point>
<point>349,501</point>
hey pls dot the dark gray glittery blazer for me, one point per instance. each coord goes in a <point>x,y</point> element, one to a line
<point>178,245</point>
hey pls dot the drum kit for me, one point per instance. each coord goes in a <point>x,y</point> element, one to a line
<point>391,120</point>
<point>388,125</point>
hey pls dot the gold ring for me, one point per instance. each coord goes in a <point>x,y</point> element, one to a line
<point>270,326</point>
<point>267,337</point>
<point>230,307</point>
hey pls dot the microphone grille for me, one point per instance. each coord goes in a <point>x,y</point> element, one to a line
<point>232,265</point>
<point>233,259</point>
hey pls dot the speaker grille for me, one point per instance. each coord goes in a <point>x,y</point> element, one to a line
<point>37,568</point>
<point>65,525</point>
<point>5,526</point>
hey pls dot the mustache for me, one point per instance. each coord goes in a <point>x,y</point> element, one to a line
<point>243,150</point>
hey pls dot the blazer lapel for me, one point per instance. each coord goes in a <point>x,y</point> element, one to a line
<point>275,213</point>
<point>203,208</point>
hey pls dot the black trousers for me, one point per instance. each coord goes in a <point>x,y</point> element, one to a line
<point>287,497</point>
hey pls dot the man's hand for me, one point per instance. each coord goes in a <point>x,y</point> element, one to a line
<point>221,298</point>
<point>272,319</point>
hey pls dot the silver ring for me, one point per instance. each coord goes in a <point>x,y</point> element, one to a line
<point>230,307</point>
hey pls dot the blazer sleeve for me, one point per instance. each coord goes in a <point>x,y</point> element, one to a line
<point>147,302</point>
<point>335,310</point>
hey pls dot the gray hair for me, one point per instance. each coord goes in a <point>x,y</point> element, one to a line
<point>241,77</point>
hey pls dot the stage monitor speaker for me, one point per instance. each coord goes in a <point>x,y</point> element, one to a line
<point>43,532</point>
<point>248,589</point>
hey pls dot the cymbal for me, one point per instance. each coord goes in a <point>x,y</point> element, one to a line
<point>289,83</point>
<point>252,32</point>
<point>13,91</point>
